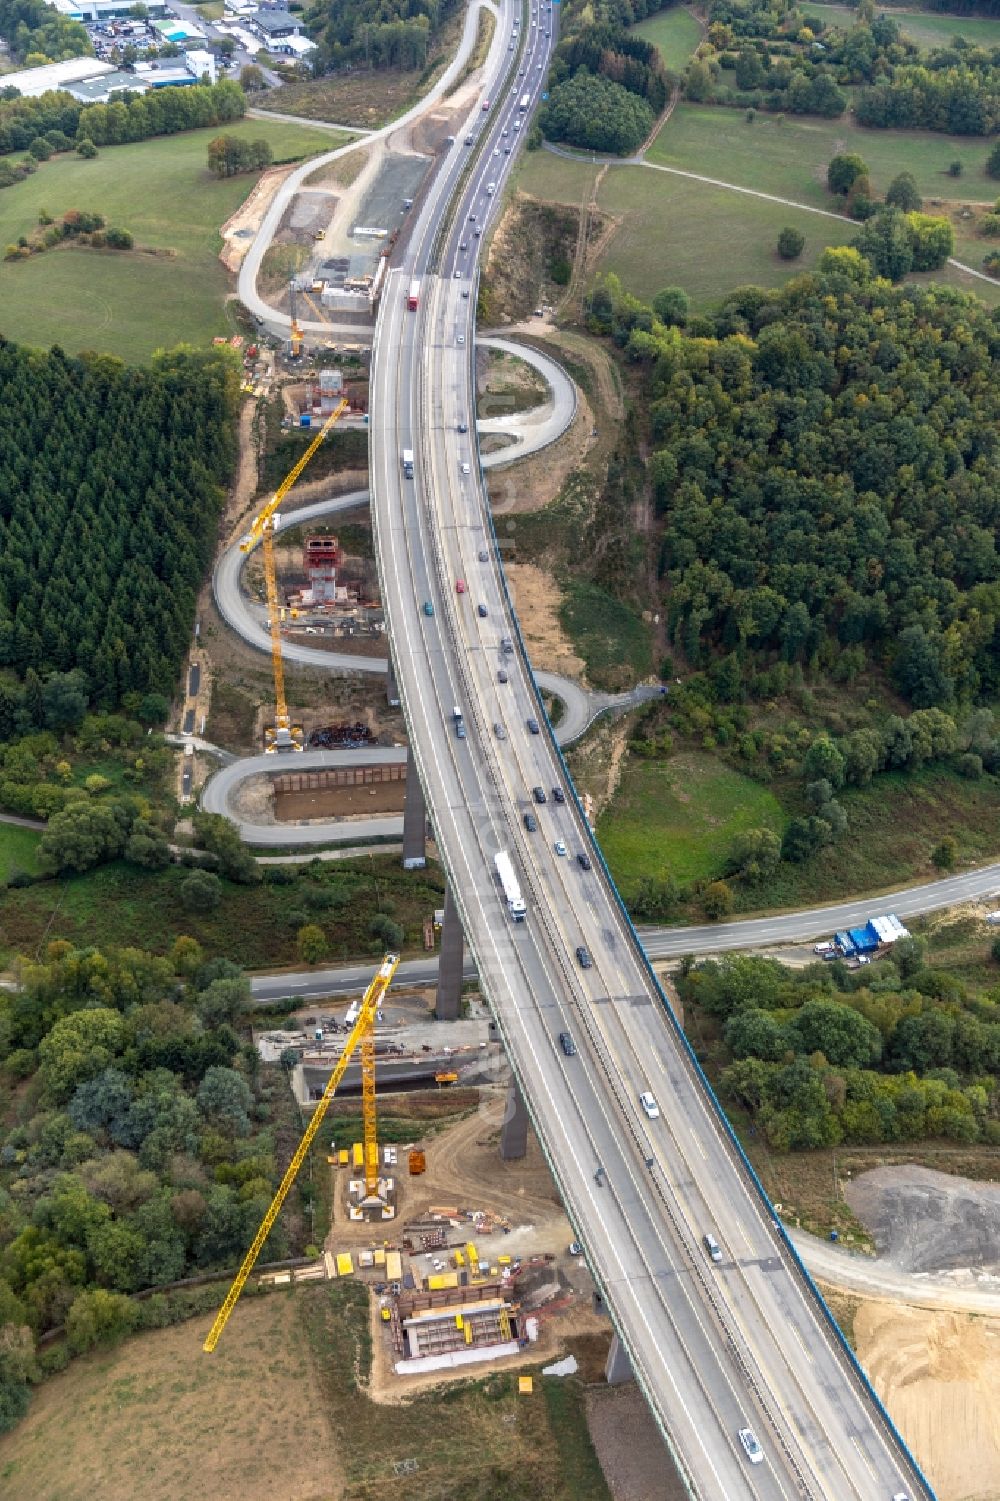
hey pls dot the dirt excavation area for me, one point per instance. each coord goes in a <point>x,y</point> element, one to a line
<point>537,598</point>
<point>339,802</point>
<point>939,1376</point>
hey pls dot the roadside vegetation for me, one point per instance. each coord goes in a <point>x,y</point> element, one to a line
<point>141,1141</point>
<point>899,1051</point>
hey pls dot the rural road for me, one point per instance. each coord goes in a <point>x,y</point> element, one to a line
<point>730,187</point>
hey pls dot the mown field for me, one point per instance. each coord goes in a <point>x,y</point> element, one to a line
<point>17,849</point>
<point>675,230</point>
<point>130,304</point>
<point>680,817</point>
<point>788,155</point>
<point>675,33</point>
<point>280,1410</point>
<point>927,30</point>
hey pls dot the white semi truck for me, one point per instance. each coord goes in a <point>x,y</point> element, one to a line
<point>511,890</point>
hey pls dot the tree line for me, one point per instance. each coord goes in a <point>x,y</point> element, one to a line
<point>375,33</point>
<point>134,117</point>
<point>606,85</point>
<point>111,483</point>
<point>825,467</point>
<point>36,33</point>
<point>901,1051</point>
<point>778,63</point>
<point>142,1147</point>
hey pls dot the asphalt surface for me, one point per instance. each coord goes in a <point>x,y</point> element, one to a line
<point>715,1348</point>
<point>221,790</point>
<point>278,322</point>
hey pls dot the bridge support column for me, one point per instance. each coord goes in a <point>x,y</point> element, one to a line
<point>391,688</point>
<point>514,1131</point>
<point>448,1005</point>
<point>414,819</point>
<point>618,1367</point>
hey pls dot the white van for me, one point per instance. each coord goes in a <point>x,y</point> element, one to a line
<point>491,188</point>
<point>649,1105</point>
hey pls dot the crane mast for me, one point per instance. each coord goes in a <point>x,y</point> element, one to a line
<point>362,1028</point>
<point>285,736</point>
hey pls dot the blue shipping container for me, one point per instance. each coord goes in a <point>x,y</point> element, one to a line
<point>305,420</point>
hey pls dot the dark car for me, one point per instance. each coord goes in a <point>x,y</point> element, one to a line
<point>502,676</point>
<point>483,611</point>
<point>533,726</point>
<point>538,793</point>
<point>583,957</point>
<point>531,823</point>
<point>558,795</point>
<point>567,1044</point>
<point>583,860</point>
<point>484,556</point>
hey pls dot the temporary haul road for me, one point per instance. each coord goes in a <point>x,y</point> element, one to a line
<point>717,1348</point>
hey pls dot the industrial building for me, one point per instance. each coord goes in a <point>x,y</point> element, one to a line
<point>274,24</point>
<point>100,90</point>
<point>31,82</point>
<point>105,10</point>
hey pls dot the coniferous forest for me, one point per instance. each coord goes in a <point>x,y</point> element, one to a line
<point>111,484</point>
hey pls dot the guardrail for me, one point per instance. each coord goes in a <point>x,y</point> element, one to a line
<point>832,1326</point>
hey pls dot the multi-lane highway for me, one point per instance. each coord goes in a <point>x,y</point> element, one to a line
<point>718,1347</point>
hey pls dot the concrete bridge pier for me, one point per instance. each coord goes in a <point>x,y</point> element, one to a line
<point>514,1131</point>
<point>414,819</point>
<point>448,1005</point>
<point>618,1367</point>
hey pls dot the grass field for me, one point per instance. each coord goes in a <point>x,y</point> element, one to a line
<point>923,28</point>
<point>254,926</point>
<point>892,827</point>
<point>789,155</point>
<point>680,817</point>
<point>17,850</point>
<point>675,33</point>
<point>612,639</point>
<point>160,190</point>
<point>681,233</point>
<point>280,1411</point>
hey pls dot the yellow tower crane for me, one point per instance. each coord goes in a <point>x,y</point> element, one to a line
<point>295,333</point>
<point>359,1032</point>
<point>285,736</point>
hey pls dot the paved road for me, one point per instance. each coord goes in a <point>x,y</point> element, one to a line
<point>876,1278</point>
<point>528,432</point>
<point>714,1348</point>
<point>22,823</point>
<point>249,270</point>
<point>221,790</point>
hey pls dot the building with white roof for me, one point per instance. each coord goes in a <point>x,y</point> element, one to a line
<point>31,82</point>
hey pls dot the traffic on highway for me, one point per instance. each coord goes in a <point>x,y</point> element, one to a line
<point>755,1392</point>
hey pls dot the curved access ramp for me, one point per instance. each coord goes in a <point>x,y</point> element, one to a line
<point>529,432</point>
<point>220,795</point>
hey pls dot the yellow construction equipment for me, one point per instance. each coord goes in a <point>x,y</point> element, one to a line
<point>295,333</point>
<point>369,1006</point>
<point>285,736</point>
